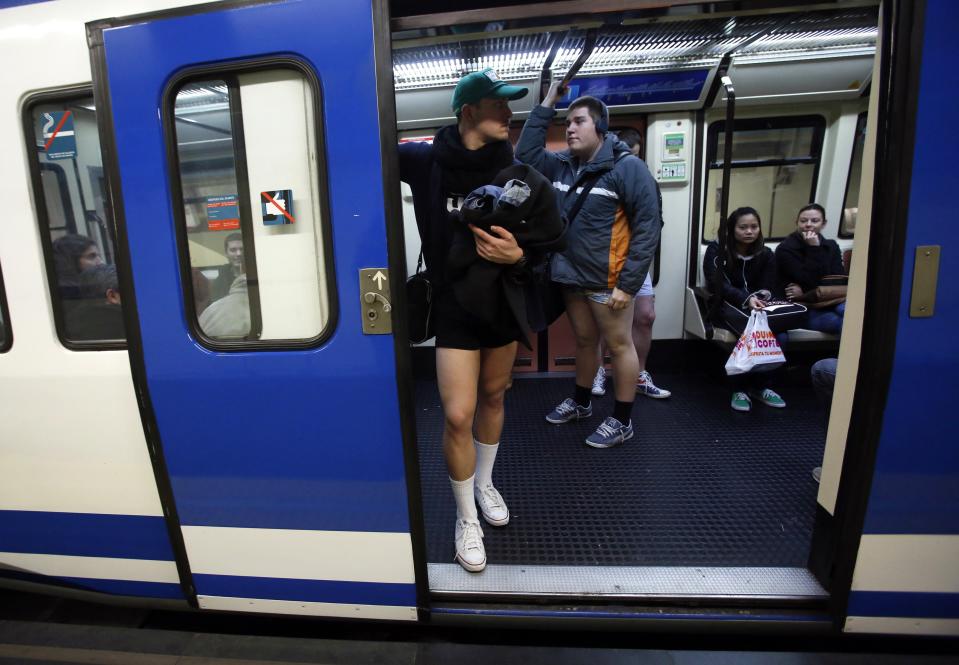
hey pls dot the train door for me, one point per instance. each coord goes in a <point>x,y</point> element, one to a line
<point>246,176</point>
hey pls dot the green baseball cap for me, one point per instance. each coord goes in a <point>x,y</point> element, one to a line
<point>474,87</point>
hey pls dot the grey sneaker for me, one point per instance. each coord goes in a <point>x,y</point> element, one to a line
<point>645,386</point>
<point>599,382</point>
<point>610,433</point>
<point>568,410</point>
<point>470,552</point>
<point>491,505</point>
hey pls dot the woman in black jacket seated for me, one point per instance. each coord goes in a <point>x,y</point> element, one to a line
<point>748,281</point>
<point>804,257</point>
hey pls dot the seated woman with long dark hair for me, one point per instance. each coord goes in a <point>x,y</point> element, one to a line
<point>747,274</point>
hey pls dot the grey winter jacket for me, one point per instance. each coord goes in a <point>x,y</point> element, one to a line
<point>613,239</point>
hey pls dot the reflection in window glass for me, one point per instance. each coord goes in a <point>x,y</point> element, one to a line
<point>775,162</point>
<point>850,205</point>
<point>776,192</point>
<point>768,144</point>
<point>247,159</point>
<point>74,216</point>
<point>211,208</point>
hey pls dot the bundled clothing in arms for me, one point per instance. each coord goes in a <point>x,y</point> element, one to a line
<point>521,201</point>
<point>478,304</point>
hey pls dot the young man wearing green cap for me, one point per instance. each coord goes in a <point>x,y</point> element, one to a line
<point>473,361</point>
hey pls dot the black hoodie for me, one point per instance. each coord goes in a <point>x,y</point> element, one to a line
<point>744,277</point>
<point>806,265</point>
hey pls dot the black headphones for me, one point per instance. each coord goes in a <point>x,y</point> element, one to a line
<point>603,125</point>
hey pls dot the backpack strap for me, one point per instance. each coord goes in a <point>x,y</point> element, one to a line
<point>587,184</point>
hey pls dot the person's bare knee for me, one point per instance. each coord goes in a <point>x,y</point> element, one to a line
<point>589,341</point>
<point>619,343</point>
<point>615,328</point>
<point>495,372</point>
<point>492,401</point>
<point>581,321</point>
<point>645,313</point>
<point>459,418</point>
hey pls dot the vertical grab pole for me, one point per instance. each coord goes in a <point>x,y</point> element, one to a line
<point>727,159</point>
<point>717,285</point>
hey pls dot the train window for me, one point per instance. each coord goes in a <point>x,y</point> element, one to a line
<point>73,212</point>
<point>6,335</point>
<point>850,204</point>
<point>774,170</point>
<point>247,154</point>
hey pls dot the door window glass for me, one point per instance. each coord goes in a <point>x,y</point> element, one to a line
<point>850,204</point>
<point>247,157</point>
<point>774,169</point>
<point>74,215</point>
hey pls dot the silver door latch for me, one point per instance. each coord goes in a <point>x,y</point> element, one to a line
<point>375,304</point>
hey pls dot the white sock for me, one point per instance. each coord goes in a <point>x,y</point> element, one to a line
<point>465,503</point>
<point>485,456</point>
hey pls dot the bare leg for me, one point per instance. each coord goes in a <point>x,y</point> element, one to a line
<point>457,375</point>
<point>615,326</point>
<point>587,337</point>
<point>643,317</point>
<point>496,366</point>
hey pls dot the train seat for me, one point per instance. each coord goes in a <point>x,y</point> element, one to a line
<point>694,324</point>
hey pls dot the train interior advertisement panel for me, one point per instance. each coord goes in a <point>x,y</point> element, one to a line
<point>212,393</point>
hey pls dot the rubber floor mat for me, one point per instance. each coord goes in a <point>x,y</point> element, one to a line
<point>698,484</point>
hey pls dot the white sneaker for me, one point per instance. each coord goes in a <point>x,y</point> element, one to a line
<point>492,505</point>
<point>645,386</point>
<point>470,552</point>
<point>599,382</point>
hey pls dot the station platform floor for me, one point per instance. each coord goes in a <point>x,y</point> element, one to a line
<point>36,629</point>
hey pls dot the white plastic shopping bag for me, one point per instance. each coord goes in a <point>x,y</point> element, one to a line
<point>757,348</point>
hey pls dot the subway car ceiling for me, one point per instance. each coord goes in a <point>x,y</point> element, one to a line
<point>643,65</point>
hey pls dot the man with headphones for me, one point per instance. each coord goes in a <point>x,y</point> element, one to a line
<point>609,197</point>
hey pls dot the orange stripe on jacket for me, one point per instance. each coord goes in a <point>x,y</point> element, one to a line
<point>618,246</point>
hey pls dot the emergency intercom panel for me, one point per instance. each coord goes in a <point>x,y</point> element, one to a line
<point>672,152</point>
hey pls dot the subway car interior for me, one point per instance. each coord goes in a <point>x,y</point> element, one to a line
<point>700,485</point>
<point>204,271</point>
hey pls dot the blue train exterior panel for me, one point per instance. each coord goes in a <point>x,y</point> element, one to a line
<point>295,453</point>
<point>907,572</point>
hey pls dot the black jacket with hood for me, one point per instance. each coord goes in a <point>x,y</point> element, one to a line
<point>744,277</point>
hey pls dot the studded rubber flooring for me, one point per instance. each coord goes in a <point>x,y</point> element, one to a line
<point>698,484</point>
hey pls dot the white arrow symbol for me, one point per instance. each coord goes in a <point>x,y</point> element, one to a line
<point>379,278</point>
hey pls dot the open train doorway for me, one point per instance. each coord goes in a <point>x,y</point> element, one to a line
<point>705,502</point>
